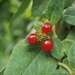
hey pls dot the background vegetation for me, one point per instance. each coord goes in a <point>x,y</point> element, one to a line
<point>12,31</point>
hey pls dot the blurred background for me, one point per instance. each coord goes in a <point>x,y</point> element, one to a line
<point>12,32</point>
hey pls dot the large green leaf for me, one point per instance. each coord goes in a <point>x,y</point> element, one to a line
<point>69,16</point>
<point>39,7</point>
<point>57,49</point>
<point>71,56</point>
<point>54,10</point>
<point>21,9</point>
<point>60,72</point>
<point>29,59</point>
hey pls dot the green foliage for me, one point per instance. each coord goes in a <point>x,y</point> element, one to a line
<point>63,29</point>
<point>60,72</point>
<point>71,56</point>
<point>71,35</point>
<point>29,60</point>
<point>68,2</point>
<point>66,44</point>
<point>22,8</point>
<point>54,10</point>
<point>3,59</point>
<point>69,15</point>
<point>65,61</point>
<point>39,7</point>
<point>2,71</point>
<point>57,49</point>
<point>38,25</point>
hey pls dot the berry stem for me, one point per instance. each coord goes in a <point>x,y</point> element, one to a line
<point>66,67</point>
<point>54,31</point>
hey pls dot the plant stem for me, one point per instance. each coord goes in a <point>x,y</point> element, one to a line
<point>54,31</point>
<point>66,67</point>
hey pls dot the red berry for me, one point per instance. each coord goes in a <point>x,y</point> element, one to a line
<point>47,45</point>
<point>46,28</point>
<point>32,38</point>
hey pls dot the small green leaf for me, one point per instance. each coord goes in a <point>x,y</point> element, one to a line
<point>38,25</point>
<point>66,44</point>
<point>54,10</point>
<point>71,35</point>
<point>62,29</point>
<point>57,49</point>
<point>60,72</point>
<point>39,7</point>
<point>69,16</point>
<point>71,56</point>
<point>29,59</point>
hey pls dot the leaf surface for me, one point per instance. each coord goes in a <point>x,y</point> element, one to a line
<point>60,72</point>
<point>39,7</point>
<point>54,10</point>
<point>29,59</point>
<point>57,49</point>
<point>69,16</point>
<point>71,56</point>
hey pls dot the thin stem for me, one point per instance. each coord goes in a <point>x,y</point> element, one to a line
<point>66,67</point>
<point>54,31</point>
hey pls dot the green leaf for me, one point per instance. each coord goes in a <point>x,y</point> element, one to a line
<point>69,16</point>
<point>66,44</point>
<point>39,7</point>
<point>60,72</point>
<point>29,59</point>
<point>71,35</point>
<point>71,56</point>
<point>38,25</point>
<point>62,29</point>
<point>21,9</point>
<point>54,10</point>
<point>68,2</point>
<point>57,49</point>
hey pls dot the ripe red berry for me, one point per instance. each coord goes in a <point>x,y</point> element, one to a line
<point>32,38</point>
<point>47,45</point>
<point>46,28</point>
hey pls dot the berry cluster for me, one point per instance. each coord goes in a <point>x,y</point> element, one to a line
<point>46,42</point>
